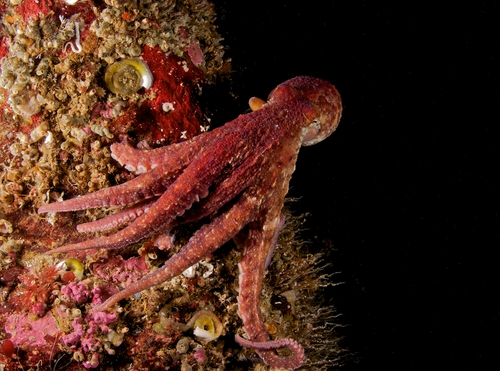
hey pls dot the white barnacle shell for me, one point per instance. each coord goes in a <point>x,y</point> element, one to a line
<point>127,76</point>
<point>27,103</point>
<point>190,272</point>
<point>39,132</point>
<point>167,106</point>
<point>5,226</point>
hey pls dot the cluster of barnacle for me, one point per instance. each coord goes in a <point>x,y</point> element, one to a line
<point>27,65</point>
<point>198,341</point>
<point>27,166</point>
<point>49,82</point>
<point>36,165</point>
<point>39,82</point>
<point>165,24</point>
<point>9,248</point>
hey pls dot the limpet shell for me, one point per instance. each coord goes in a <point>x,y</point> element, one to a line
<point>127,76</point>
<point>206,325</point>
<point>72,265</point>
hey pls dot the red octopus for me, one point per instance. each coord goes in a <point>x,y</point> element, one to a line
<point>237,176</point>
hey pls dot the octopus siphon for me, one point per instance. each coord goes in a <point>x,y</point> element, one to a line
<point>236,177</point>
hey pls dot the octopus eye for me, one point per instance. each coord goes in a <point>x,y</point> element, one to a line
<point>128,76</point>
<point>311,133</point>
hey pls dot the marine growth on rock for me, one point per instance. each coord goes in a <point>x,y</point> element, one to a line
<point>58,119</point>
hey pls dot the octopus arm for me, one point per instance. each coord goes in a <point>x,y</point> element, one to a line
<point>228,189</point>
<point>147,185</point>
<point>160,214</point>
<point>140,160</point>
<point>205,241</point>
<point>178,198</point>
<point>257,241</point>
<point>119,219</point>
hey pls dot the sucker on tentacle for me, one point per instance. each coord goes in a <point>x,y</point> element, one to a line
<point>201,244</point>
<point>235,178</point>
<point>119,219</point>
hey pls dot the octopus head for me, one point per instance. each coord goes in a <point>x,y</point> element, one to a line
<point>320,101</point>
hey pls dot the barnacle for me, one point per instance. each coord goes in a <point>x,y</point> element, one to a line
<point>206,325</point>
<point>27,103</point>
<point>39,132</point>
<point>127,76</point>
<point>115,338</point>
<point>5,226</point>
<point>182,345</point>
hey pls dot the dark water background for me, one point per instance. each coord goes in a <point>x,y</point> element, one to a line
<point>407,188</point>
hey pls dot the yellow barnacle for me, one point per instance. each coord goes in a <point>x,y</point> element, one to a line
<point>127,76</point>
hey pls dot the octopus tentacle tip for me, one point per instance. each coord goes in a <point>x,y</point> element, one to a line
<point>47,208</point>
<point>292,362</point>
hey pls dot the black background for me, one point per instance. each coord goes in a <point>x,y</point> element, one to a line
<point>407,187</point>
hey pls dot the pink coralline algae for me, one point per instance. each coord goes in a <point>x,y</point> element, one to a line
<point>86,334</point>
<point>200,356</point>
<point>74,337</point>
<point>103,318</point>
<point>26,330</point>
<point>118,270</point>
<point>38,309</point>
<point>90,344</point>
<point>102,293</point>
<point>76,291</point>
<point>99,321</point>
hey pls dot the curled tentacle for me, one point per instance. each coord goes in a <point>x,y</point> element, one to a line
<point>297,351</point>
<point>258,243</point>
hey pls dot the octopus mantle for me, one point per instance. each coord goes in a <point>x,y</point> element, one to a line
<point>235,176</point>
